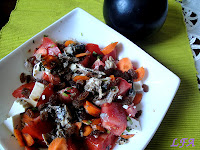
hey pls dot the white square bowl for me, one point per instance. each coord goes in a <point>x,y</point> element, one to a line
<point>83,27</point>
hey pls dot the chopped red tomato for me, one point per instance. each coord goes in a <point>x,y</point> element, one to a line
<point>48,91</point>
<point>37,127</point>
<point>131,111</point>
<point>68,94</point>
<point>88,61</point>
<point>71,145</point>
<point>93,48</point>
<point>47,42</point>
<point>51,78</point>
<point>46,76</point>
<point>30,148</point>
<point>50,47</point>
<point>102,142</point>
<point>123,86</point>
<point>54,51</point>
<point>113,118</point>
<point>41,51</point>
<point>97,63</point>
<point>18,92</point>
<point>113,54</point>
<point>85,61</point>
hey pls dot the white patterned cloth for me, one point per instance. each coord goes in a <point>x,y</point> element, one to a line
<point>191,13</point>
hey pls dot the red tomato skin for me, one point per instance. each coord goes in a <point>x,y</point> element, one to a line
<point>30,148</point>
<point>48,91</point>
<point>45,77</point>
<point>101,142</point>
<point>88,61</point>
<point>18,92</point>
<point>51,78</point>
<point>114,118</point>
<point>92,60</point>
<point>113,54</point>
<point>123,86</point>
<point>47,42</point>
<point>93,48</point>
<point>71,145</point>
<point>54,51</point>
<point>131,111</point>
<point>50,46</point>
<point>37,127</point>
<point>96,64</point>
<point>72,91</point>
<point>41,51</point>
<point>85,61</point>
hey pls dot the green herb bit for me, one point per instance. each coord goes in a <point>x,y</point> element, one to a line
<point>94,53</point>
<point>129,119</point>
<point>108,131</point>
<point>113,88</point>
<point>69,88</point>
<point>65,94</point>
<point>99,57</point>
<point>52,46</point>
<point>34,109</point>
<point>88,122</point>
<point>128,129</point>
<point>81,34</point>
<point>45,35</point>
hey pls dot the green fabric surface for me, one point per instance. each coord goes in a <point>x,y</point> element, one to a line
<point>170,47</point>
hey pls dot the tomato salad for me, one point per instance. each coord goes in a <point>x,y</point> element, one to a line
<point>78,96</point>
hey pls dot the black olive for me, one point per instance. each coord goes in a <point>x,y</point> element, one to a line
<point>135,19</point>
<point>80,48</point>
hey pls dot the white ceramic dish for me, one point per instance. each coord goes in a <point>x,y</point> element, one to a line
<point>80,25</point>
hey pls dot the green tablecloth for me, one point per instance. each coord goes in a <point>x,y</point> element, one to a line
<point>170,47</point>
